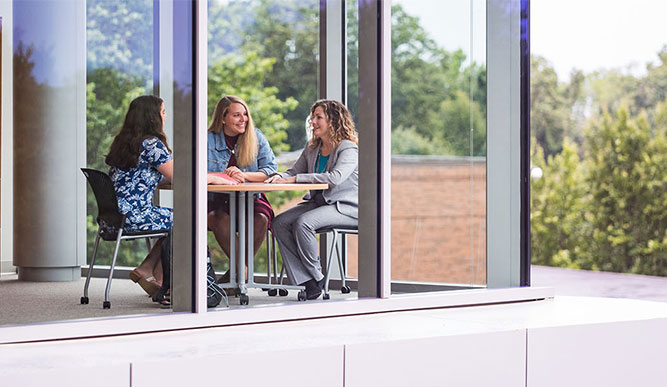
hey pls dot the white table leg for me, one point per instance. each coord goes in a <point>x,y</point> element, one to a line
<point>251,238</point>
<point>232,240</point>
<point>242,247</point>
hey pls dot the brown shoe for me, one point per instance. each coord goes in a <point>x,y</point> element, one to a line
<point>149,284</point>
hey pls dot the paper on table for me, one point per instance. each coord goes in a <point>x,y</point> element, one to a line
<point>223,175</point>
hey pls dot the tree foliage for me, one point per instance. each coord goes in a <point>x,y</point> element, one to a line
<point>557,109</point>
<point>556,205</point>
<point>108,93</point>
<point>434,94</point>
<point>606,211</point>
<point>285,32</point>
<point>244,77</point>
<point>627,180</point>
<point>119,35</point>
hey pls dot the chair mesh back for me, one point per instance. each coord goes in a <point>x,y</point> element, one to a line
<point>109,217</point>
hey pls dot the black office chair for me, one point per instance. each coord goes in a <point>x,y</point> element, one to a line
<point>110,226</point>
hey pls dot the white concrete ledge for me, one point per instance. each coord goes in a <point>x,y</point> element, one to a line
<point>573,341</point>
<point>262,314</point>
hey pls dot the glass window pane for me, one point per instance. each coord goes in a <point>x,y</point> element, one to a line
<point>438,145</point>
<point>266,53</point>
<point>78,65</point>
<point>119,68</point>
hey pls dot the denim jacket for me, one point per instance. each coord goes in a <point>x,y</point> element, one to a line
<point>219,155</point>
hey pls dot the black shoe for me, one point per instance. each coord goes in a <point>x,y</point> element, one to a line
<point>162,298</point>
<point>313,289</point>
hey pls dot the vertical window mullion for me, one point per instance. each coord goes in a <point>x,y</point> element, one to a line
<point>374,148</point>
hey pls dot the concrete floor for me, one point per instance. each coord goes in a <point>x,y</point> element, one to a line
<point>37,302</point>
<point>570,282</point>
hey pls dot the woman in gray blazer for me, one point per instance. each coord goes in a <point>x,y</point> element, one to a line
<point>331,157</point>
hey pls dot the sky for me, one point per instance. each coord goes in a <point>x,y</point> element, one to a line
<point>583,34</point>
<point>593,34</point>
<point>449,21</point>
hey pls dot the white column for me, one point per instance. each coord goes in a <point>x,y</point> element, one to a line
<point>49,140</point>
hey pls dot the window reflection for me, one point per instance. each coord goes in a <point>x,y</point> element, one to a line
<point>438,144</point>
<point>119,68</point>
<point>266,52</point>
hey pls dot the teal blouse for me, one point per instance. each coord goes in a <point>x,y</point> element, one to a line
<point>321,163</point>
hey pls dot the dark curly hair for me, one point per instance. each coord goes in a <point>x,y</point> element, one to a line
<point>143,120</point>
<point>341,124</point>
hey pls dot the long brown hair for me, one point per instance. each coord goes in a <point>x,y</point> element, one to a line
<point>247,144</point>
<point>143,120</point>
<point>341,125</point>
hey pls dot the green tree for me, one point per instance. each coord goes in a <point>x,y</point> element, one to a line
<point>549,110</point>
<point>245,77</point>
<point>353,59</point>
<point>557,201</point>
<point>228,23</point>
<point>628,186</point>
<point>652,89</point>
<point>611,89</point>
<point>108,93</point>
<point>287,32</point>
<point>119,35</point>
<point>431,88</point>
<point>409,142</point>
<point>454,120</point>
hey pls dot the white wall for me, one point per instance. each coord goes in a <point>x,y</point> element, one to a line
<point>488,359</point>
<point>621,353</point>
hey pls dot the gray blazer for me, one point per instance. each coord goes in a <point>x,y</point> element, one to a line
<point>341,173</point>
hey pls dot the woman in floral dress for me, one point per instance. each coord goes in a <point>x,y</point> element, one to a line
<point>140,158</point>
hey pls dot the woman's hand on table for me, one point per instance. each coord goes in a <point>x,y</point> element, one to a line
<point>277,179</point>
<point>217,180</point>
<point>236,174</point>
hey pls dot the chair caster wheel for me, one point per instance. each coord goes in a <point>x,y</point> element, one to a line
<point>282,292</point>
<point>301,296</point>
<point>345,289</point>
<point>106,305</point>
<point>273,292</point>
<point>84,300</point>
<point>237,292</point>
<point>326,296</point>
<point>245,300</point>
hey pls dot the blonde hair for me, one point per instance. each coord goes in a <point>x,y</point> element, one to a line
<point>247,143</point>
<point>341,125</point>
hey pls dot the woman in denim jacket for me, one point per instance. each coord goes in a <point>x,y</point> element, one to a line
<point>241,151</point>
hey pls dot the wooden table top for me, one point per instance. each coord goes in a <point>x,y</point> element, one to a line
<point>264,187</point>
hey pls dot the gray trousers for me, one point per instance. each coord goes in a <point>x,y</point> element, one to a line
<point>295,231</point>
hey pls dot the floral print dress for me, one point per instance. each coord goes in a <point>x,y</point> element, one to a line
<point>135,187</point>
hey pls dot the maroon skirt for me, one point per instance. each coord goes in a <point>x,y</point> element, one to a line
<point>220,202</point>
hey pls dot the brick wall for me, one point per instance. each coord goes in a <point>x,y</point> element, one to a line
<point>438,215</point>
